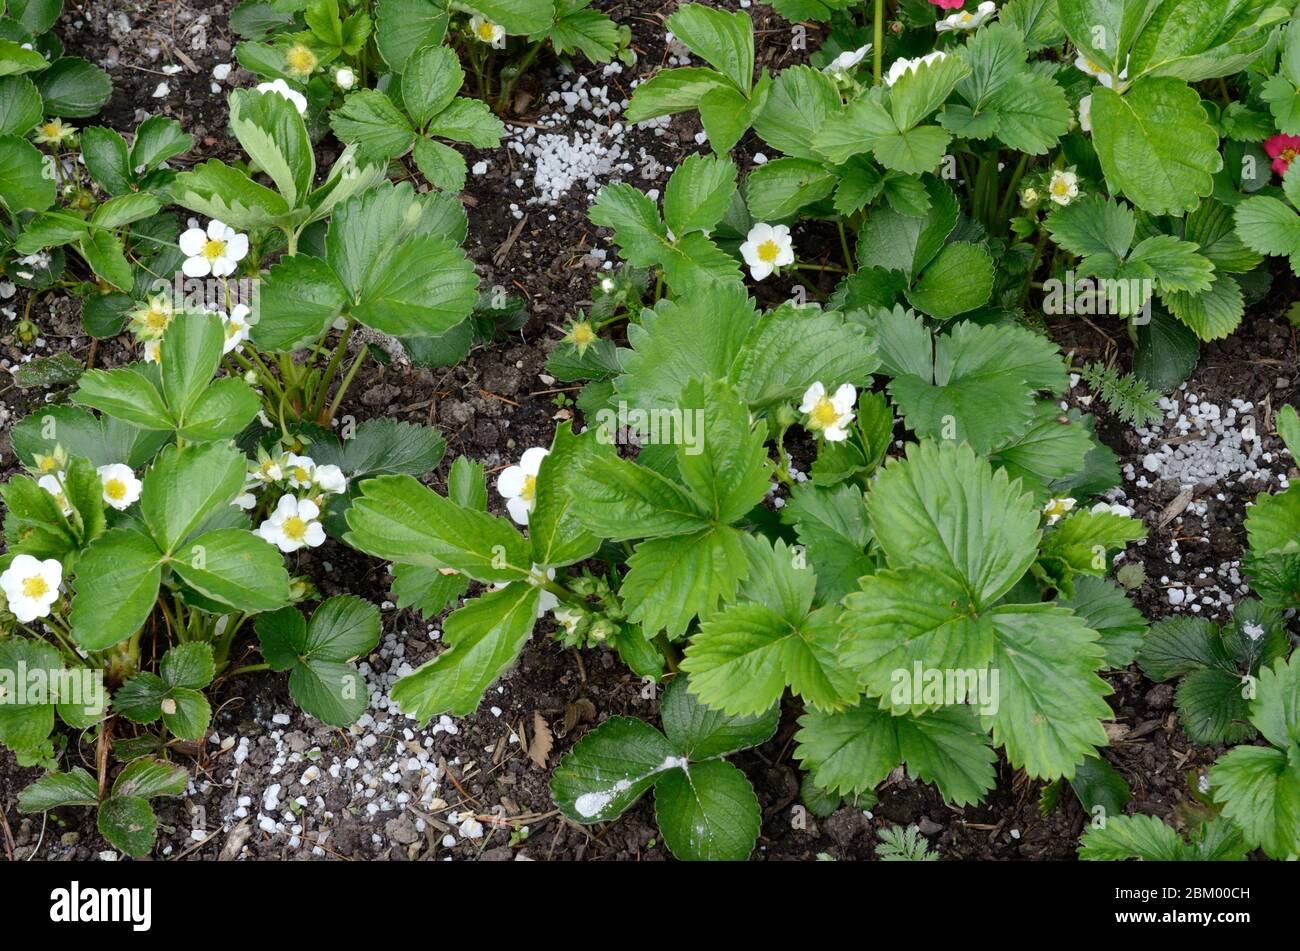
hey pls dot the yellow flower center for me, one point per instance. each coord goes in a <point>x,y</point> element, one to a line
<point>156,318</point>
<point>213,248</point>
<point>300,60</point>
<point>1057,508</point>
<point>45,463</point>
<point>486,31</point>
<point>529,489</point>
<point>1060,187</point>
<point>767,251</point>
<point>35,587</point>
<point>51,130</point>
<point>294,528</point>
<point>301,474</point>
<point>1288,154</point>
<point>115,489</point>
<point>966,18</point>
<point>583,335</point>
<point>824,414</point>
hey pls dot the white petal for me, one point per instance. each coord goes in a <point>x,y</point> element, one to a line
<point>845,398</point>
<point>518,510</point>
<point>315,536</point>
<point>531,461</point>
<point>308,510</point>
<point>511,481</point>
<point>192,242</point>
<point>223,267</point>
<point>760,270</point>
<point>834,433</point>
<point>811,397</point>
<point>217,230</point>
<point>237,247</point>
<point>196,267</point>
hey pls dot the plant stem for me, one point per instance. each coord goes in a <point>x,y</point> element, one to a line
<point>666,648</point>
<point>248,669</point>
<point>877,42</point>
<point>347,382</point>
<point>844,245</point>
<point>331,370</point>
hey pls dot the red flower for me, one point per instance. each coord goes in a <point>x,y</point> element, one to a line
<point>948,4</point>
<point>1282,149</point>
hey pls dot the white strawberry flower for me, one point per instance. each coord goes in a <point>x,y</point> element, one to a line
<point>215,251</point>
<point>767,248</point>
<point>298,470</point>
<point>1085,65</point>
<point>1063,187</point>
<point>245,500</point>
<point>518,484</point>
<point>1057,509</point>
<point>284,89</point>
<point>330,479</point>
<point>266,469</point>
<point>568,618</point>
<point>485,31</point>
<point>153,351</point>
<point>53,484</point>
<point>293,525</point>
<point>901,66</point>
<point>841,64</point>
<point>31,586</point>
<point>237,324</point>
<point>966,20</point>
<point>829,415</point>
<point>121,487</point>
<point>345,78</point>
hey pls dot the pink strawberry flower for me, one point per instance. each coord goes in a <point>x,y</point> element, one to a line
<point>948,4</point>
<point>1282,149</point>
